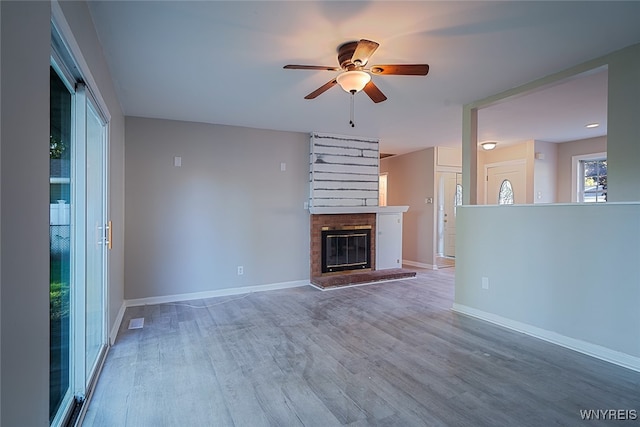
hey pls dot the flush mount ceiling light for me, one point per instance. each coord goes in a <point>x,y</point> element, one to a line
<point>592,125</point>
<point>489,145</point>
<point>353,81</point>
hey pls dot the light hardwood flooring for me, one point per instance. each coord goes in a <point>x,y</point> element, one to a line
<point>387,354</point>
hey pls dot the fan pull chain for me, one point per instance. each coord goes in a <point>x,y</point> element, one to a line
<point>351,117</point>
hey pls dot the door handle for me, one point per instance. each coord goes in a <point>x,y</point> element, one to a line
<point>109,234</point>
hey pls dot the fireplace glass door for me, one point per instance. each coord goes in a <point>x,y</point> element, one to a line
<point>344,250</point>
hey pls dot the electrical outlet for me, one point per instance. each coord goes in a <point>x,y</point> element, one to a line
<point>485,283</point>
<point>240,270</point>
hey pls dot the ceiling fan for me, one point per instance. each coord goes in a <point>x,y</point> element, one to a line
<point>353,58</point>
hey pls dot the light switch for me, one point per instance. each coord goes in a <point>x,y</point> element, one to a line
<point>177,161</point>
<point>283,167</point>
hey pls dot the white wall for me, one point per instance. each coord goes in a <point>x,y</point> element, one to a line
<point>24,279</point>
<point>569,269</point>
<point>188,228</point>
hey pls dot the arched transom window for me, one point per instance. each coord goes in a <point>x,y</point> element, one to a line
<point>505,196</point>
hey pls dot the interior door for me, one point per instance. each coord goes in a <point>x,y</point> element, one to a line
<point>505,178</point>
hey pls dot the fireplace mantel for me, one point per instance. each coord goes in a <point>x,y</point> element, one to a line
<point>357,209</point>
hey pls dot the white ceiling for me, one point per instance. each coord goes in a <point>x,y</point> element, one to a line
<point>221,62</point>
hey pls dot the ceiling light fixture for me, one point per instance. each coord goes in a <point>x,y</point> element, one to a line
<point>353,81</point>
<point>592,125</point>
<point>489,145</point>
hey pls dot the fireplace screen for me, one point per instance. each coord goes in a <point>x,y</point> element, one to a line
<point>347,248</point>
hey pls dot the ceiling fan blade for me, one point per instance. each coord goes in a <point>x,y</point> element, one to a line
<point>325,87</point>
<point>363,52</point>
<point>401,69</point>
<point>311,67</point>
<point>374,93</point>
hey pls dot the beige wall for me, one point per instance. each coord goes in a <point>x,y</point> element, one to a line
<point>411,180</point>
<point>545,172</point>
<point>566,151</point>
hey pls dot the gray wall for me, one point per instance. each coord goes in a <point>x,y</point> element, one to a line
<point>411,179</point>
<point>623,126</point>
<point>543,269</point>
<point>188,228</point>
<point>25,213</point>
<point>571,269</point>
<point>24,279</point>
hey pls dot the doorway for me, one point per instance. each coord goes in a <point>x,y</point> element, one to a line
<point>79,236</point>
<point>449,197</point>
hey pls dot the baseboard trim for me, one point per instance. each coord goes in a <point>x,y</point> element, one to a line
<point>116,324</point>
<point>593,350</point>
<point>212,294</point>
<point>419,264</point>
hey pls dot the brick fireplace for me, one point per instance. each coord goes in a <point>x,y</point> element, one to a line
<point>319,221</point>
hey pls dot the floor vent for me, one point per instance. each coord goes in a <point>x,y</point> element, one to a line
<point>136,323</point>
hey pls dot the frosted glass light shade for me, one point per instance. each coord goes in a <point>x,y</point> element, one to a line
<point>353,81</point>
<point>488,145</point>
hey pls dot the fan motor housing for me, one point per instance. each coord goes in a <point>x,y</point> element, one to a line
<point>345,54</point>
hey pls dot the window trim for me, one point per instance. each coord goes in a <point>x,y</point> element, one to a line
<point>577,189</point>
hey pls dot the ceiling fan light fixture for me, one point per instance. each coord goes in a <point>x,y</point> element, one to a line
<point>489,145</point>
<point>353,81</point>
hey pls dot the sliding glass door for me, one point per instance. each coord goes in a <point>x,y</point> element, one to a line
<point>96,240</point>
<point>78,238</point>
<point>60,250</point>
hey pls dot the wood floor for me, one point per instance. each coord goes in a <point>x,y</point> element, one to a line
<point>387,354</point>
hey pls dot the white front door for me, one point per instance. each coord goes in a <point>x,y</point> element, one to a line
<point>449,200</point>
<point>506,184</point>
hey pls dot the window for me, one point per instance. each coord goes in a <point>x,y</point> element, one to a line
<point>505,196</point>
<point>589,184</point>
<point>594,180</point>
<point>458,198</point>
